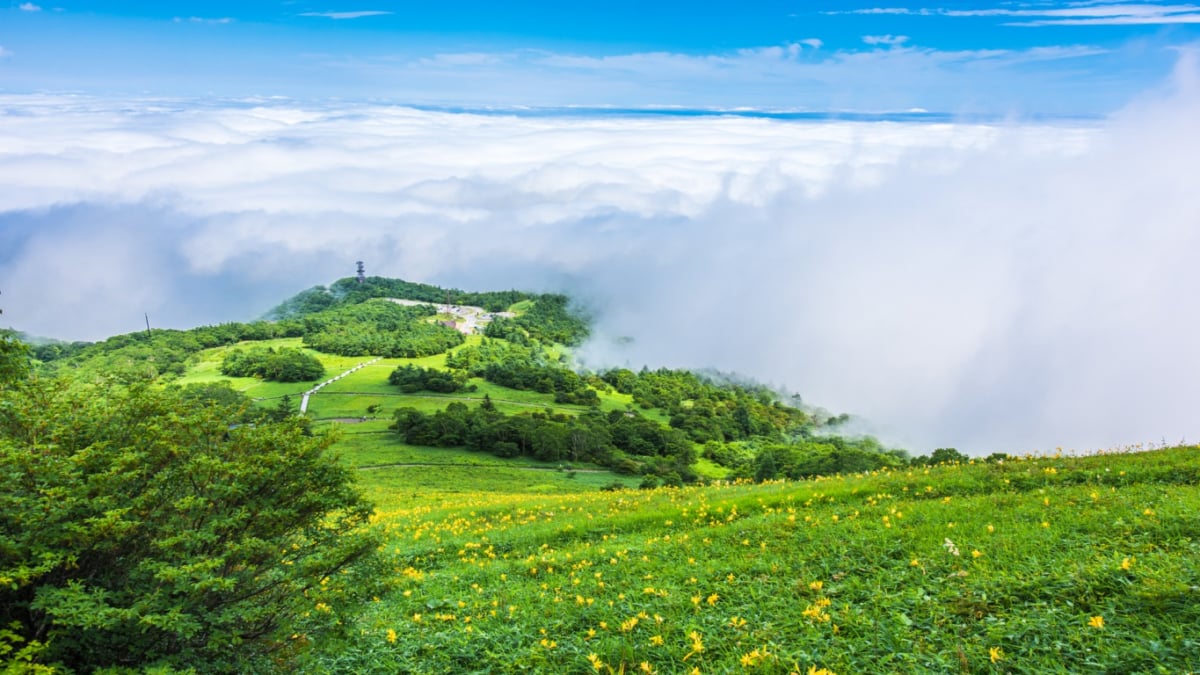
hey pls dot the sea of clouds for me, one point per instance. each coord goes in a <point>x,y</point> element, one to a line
<point>1003,286</point>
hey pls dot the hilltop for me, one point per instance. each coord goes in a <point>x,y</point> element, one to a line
<point>400,366</point>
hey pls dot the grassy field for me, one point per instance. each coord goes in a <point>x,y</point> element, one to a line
<point>1052,565</point>
<point>359,407</point>
<point>1048,565</point>
<point>206,367</point>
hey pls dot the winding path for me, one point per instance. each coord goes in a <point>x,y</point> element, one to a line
<point>310,392</point>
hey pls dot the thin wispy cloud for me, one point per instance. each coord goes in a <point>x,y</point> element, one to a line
<point>28,7</point>
<point>4,52</point>
<point>461,59</point>
<point>1153,20</point>
<point>1070,14</point>
<point>890,40</point>
<point>889,74</point>
<point>219,21</point>
<point>881,10</point>
<point>347,15</point>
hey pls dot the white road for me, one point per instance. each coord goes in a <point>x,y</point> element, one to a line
<point>310,392</point>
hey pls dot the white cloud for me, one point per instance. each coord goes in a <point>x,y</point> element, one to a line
<point>880,10</point>
<point>4,52</point>
<point>1073,14</point>
<point>797,75</point>
<point>28,7</point>
<point>461,60</point>
<point>891,40</point>
<point>346,15</point>
<point>1116,21</point>
<point>989,287</point>
<point>198,19</point>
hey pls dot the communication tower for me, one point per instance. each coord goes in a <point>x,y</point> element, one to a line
<point>362,272</point>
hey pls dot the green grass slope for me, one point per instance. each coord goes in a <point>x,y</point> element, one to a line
<point>1052,565</point>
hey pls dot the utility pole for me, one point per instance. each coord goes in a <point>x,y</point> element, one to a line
<point>147,315</point>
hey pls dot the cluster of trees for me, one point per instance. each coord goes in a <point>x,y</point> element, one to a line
<point>710,410</point>
<point>414,341</point>
<point>378,328</point>
<point>551,319</point>
<point>820,456</point>
<point>566,385</point>
<point>140,531</point>
<point>148,355</point>
<point>624,441</point>
<point>412,378</point>
<point>282,365</point>
<point>504,328</point>
<point>525,368</point>
<point>826,456</point>
<point>475,359</point>
<point>348,291</point>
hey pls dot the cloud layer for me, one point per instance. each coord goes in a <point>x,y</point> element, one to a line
<point>991,287</point>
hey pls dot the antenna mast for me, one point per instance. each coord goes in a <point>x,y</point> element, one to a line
<point>362,272</point>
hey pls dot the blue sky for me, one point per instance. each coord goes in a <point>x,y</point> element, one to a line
<point>1000,58</point>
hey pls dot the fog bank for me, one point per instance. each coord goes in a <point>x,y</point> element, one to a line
<point>986,286</point>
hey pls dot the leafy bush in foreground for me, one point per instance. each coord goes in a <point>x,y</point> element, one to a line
<point>137,530</point>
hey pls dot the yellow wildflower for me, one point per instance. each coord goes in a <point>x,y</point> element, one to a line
<point>996,654</point>
<point>1096,622</point>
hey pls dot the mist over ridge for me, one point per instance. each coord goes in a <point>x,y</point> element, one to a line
<point>987,286</point>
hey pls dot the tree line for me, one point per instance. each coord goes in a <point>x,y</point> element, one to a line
<point>348,291</point>
<point>277,365</point>
<point>623,441</point>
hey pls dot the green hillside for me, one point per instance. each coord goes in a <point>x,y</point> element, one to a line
<point>530,516</point>
<point>1037,566</point>
<point>505,387</point>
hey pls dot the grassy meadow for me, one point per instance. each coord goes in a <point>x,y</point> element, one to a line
<point>1040,565</point>
<point>1051,565</point>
